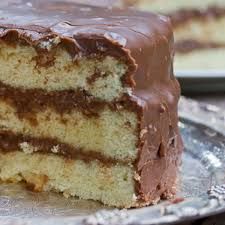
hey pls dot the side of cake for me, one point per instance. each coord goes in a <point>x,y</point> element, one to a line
<point>199,38</point>
<point>88,102</point>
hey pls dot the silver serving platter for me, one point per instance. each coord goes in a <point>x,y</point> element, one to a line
<point>202,184</point>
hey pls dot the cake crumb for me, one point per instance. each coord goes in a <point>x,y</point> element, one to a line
<point>137,177</point>
<point>66,195</point>
<point>55,149</point>
<point>27,148</point>
<point>134,197</point>
<point>50,43</point>
<point>143,132</point>
<point>154,202</point>
<point>35,182</point>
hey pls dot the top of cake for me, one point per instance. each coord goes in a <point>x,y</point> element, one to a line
<point>126,34</point>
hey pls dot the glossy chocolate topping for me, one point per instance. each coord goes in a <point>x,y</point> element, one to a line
<point>86,29</point>
<point>142,40</point>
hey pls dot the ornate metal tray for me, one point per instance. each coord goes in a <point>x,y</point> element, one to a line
<point>202,187</point>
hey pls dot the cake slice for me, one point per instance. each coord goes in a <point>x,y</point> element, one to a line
<point>199,37</point>
<point>88,102</point>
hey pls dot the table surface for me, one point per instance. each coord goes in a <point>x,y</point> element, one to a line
<point>218,100</point>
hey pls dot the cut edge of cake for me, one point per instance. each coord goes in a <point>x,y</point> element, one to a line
<point>61,132</point>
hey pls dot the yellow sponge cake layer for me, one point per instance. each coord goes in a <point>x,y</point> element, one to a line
<point>111,133</point>
<point>112,185</point>
<point>100,78</point>
<point>88,102</point>
<point>206,31</point>
<point>193,60</point>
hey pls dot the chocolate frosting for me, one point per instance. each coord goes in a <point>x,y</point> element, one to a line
<point>10,142</point>
<point>86,29</point>
<point>145,42</point>
<point>182,16</point>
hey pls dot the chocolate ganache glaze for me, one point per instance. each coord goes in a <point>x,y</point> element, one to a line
<point>145,42</point>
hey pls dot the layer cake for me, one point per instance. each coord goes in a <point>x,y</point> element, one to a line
<point>198,28</point>
<point>88,102</point>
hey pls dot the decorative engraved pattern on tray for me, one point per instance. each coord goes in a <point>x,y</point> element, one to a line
<point>202,184</point>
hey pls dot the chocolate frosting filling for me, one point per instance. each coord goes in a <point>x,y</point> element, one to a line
<point>144,41</point>
<point>186,46</point>
<point>182,16</point>
<point>31,101</point>
<point>10,142</point>
<point>28,102</point>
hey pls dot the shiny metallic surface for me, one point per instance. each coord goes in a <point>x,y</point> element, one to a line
<point>201,186</point>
